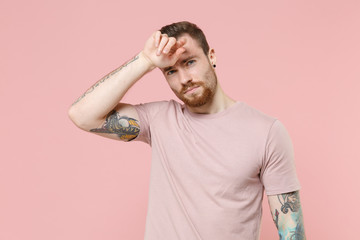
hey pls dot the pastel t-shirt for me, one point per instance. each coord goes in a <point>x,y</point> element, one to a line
<point>209,171</point>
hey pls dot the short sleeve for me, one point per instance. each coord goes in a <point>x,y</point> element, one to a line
<point>278,172</point>
<point>146,112</point>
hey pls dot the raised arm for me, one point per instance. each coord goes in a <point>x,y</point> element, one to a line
<point>98,110</point>
<point>287,215</point>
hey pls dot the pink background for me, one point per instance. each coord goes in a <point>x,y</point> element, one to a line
<point>298,61</point>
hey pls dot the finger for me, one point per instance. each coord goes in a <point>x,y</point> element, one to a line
<point>178,52</point>
<point>163,42</point>
<point>181,43</point>
<point>169,45</point>
<point>177,45</point>
<point>157,38</point>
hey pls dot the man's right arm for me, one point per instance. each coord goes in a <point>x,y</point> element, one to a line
<point>99,109</point>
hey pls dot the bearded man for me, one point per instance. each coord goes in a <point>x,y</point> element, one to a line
<point>212,156</point>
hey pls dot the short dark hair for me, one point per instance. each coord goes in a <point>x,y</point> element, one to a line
<point>179,28</point>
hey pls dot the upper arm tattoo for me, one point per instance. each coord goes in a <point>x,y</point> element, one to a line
<point>126,128</point>
<point>289,201</point>
<point>289,221</point>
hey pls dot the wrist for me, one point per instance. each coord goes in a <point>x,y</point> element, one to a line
<point>149,65</point>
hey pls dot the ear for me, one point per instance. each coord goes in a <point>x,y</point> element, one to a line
<point>212,56</point>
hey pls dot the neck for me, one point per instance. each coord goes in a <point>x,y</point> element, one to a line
<point>219,102</point>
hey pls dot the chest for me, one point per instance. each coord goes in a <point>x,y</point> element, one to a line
<point>211,153</point>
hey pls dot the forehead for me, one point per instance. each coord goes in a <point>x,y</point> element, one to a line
<point>192,49</point>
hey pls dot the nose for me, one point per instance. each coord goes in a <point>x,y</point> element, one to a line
<point>185,77</point>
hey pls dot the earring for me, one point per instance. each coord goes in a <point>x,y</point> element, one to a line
<point>214,65</point>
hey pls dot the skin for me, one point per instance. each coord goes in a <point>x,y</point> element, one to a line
<point>189,73</point>
<point>193,79</point>
<point>194,68</point>
<point>124,127</point>
<point>185,66</point>
<point>287,215</point>
<point>104,79</point>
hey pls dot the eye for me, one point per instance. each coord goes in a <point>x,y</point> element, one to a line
<point>190,62</point>
<point>170,72</point>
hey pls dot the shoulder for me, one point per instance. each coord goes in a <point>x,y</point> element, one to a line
<point>255,117</point>
<point>156,107</point>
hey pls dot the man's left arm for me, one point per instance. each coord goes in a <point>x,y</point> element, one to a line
<point>287,215</point>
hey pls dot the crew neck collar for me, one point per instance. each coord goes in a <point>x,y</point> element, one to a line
<point>210,115</point>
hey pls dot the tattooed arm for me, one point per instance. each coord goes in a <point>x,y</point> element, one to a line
<point>91,110</point>
<point>287,215</point>
<point>98,110</point>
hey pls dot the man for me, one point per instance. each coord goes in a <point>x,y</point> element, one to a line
<point>212,156</point>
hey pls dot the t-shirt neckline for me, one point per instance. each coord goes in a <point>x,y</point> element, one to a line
<point>210,115</point>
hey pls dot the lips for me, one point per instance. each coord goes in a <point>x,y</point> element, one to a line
<point>190,88</point>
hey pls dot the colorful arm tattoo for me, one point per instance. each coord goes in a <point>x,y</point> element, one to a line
<point>289,221</point>
<point>126,128</point>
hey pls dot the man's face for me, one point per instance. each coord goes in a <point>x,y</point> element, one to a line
<point>192,78</point>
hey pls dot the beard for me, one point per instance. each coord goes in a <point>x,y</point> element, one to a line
<point>208,90</point>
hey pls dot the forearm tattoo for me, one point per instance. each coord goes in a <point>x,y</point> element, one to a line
<point>126,128</point>
<point>105,78</point>
<point>289,229</point>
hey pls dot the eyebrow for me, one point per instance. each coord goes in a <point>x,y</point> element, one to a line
<point>183,61</point>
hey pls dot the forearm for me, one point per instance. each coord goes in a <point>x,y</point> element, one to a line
<point>105,94</point>
<point>287,215</point>
<point>292,227</point>
<point>91,109</point>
